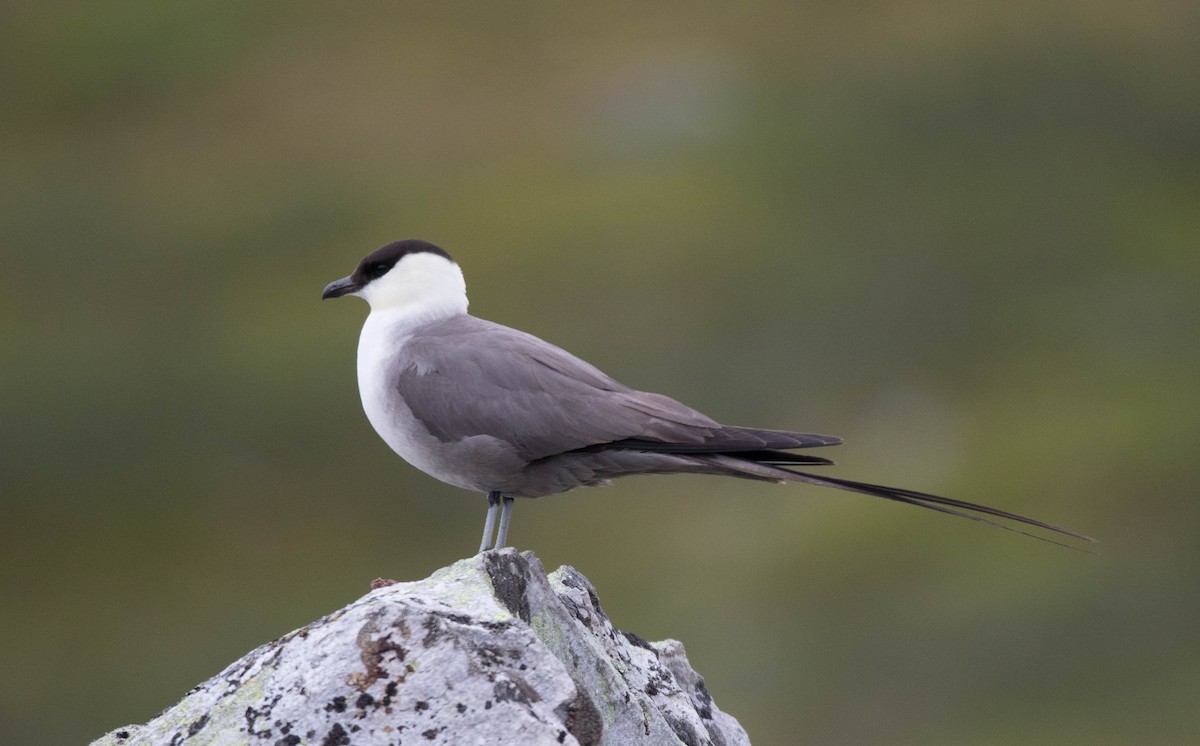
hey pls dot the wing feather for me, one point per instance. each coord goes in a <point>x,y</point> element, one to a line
<point>464,377</point>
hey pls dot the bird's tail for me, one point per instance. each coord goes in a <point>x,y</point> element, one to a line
<point>771,466</point>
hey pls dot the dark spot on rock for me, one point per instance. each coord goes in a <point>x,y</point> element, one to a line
<point>572,579</point>
<point>562,736</point>
<point>509,579</point>
<point>197,726</point>
<point>422,706</point>
<point>364,701</point>
<point>705,700</point>
<point>487,705</point>
<point>337,704</point>
<point>637,641</point>
<point>576,610</point>
<point>596,603</point>
<point>508,691</point>
<point>378,583</point>
<point>252,715</point>
<point>310,735</point>
<point>432,733</point>
<point>460,707</point>
<point>651,689</point>
<point>459,618</point>
<point>522,667</point>
<point>489,655</point>
<point>433,631</point>
<point>122,734</point>
<point>583,720</point>
<point>337,736</point>
<point>372,652</point>
<point>292,740</point>
<point>355,728</point>
<point>685,731</point>
<point>665,678</point>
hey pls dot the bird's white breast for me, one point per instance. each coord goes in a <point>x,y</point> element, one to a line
<point>478,463</point>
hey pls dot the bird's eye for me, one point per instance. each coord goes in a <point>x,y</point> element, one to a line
<point>378,270</point>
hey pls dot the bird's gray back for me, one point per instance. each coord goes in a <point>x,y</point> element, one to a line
<point>463,377</point>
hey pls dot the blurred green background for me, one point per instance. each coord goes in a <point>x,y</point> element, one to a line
<point>964,236</point>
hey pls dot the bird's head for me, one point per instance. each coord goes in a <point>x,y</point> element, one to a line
<point>409,274</point>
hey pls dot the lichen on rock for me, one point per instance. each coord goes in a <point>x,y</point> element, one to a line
<point>490,650</point>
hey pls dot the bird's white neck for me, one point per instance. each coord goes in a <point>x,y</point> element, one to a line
<point>421,288</point>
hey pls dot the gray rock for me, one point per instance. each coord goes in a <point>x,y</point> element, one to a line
<point>490,650</point>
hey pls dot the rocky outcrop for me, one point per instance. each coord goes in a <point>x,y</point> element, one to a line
<point>490,650</point>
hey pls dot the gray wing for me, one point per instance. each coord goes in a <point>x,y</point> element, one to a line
<point>464,376</point>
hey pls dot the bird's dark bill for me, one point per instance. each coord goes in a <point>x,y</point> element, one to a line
<point>341,287</point>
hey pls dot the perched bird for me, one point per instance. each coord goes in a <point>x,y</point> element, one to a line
<point>492,409</point>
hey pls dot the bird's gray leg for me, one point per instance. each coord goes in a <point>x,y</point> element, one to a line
<point>489,525</point>
<point>505,518</point>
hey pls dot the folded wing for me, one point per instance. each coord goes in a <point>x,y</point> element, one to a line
<point>465,377</point>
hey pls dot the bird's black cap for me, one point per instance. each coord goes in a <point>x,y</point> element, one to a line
<point>378,263</point>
